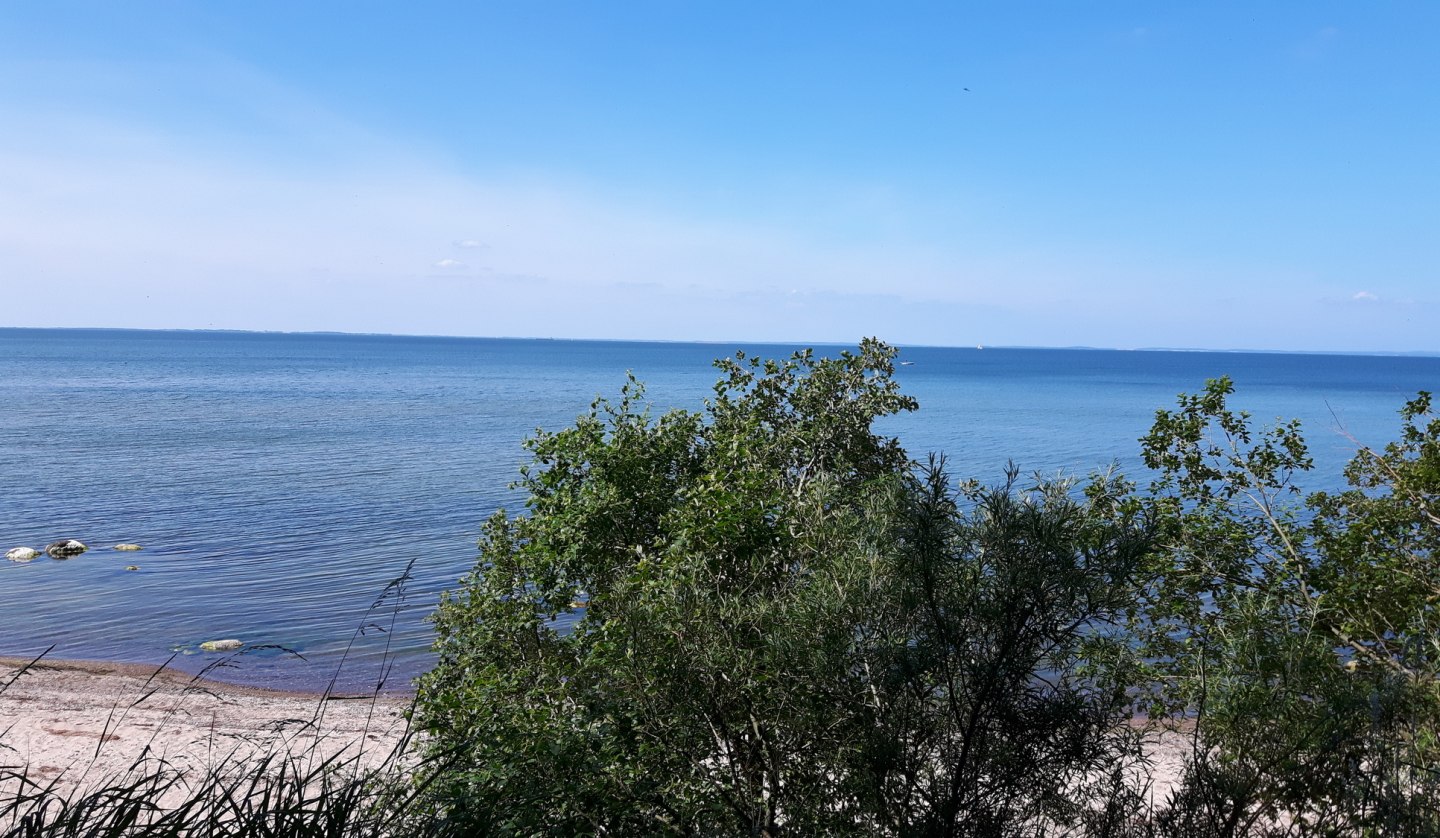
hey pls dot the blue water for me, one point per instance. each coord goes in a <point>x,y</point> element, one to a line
<point>278,482</point>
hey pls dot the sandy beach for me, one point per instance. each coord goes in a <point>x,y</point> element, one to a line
<point>82,721</point>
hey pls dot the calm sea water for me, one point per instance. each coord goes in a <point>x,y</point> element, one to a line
<point>278,482</point>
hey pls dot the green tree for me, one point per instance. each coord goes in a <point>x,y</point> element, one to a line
<point>761,619</point>
<point>1301,633</point>
<point>1000,629</point>
<point>683,550</point>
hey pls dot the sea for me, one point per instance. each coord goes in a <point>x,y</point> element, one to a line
<point>312,494</point>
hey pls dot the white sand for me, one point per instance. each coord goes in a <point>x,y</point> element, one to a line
<point>82,721</point>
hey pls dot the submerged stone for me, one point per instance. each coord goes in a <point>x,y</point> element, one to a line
<point>128,548</point>
<point>21,554</point>
<point>132,567</point>
<point>64,549</point>
<point>221,645</point>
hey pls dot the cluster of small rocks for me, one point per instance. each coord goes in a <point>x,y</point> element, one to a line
<point>68,548</point>
<point>65,548</point>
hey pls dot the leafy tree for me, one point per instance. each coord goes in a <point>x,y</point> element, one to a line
<point>1000,617</point>
<point>762,619</point>
<point>1301,632</point>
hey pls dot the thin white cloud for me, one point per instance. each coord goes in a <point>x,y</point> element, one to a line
<point>470,244</point>
<point>1365,297</point>
<point>449,264</point>
<point>1317,44</point>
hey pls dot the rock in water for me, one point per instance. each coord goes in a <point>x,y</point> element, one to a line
<point>221,645</point>
<point>128,548</point>
<point>132,567</point>
<point>65,549</point>
<point>21,554</point>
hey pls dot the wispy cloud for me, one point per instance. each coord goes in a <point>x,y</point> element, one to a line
<point>193,235</point>
<point>1365,297</point>
<point>1317,44</point>
<point>215,230</point>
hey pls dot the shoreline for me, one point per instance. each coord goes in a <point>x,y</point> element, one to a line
<point>167,674</point>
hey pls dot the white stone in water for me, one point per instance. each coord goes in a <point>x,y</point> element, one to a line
<point>21,554</point>
<point>65,549</point>
<point>221,645</point>
<point>128,548</point>
<point>132,567</point>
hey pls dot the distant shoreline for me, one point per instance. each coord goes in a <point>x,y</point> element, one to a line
<point>747,342</point>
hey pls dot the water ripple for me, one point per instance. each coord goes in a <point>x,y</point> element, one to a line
<point>278,483</point>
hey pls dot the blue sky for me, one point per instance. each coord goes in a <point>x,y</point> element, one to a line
<point>1223,175</point>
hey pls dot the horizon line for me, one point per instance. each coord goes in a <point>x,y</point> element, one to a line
<point>797,343</point>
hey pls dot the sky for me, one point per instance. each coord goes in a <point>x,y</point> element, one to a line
<point>1221,175</point>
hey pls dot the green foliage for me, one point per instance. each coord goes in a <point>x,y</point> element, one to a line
<point>1300,631</point>
<point>684,551</point>
<point>1378,551</point>
<point>758,620</point>
<point>763,619</point>
<point>999,627</point>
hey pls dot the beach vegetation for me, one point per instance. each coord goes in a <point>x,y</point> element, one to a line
<point>1301,634</point>
<point>763,618</point>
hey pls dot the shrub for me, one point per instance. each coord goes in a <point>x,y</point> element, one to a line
<point>762,619</point>
<point>1302,633</point>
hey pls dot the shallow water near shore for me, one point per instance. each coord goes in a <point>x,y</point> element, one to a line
<point>278,483</point>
